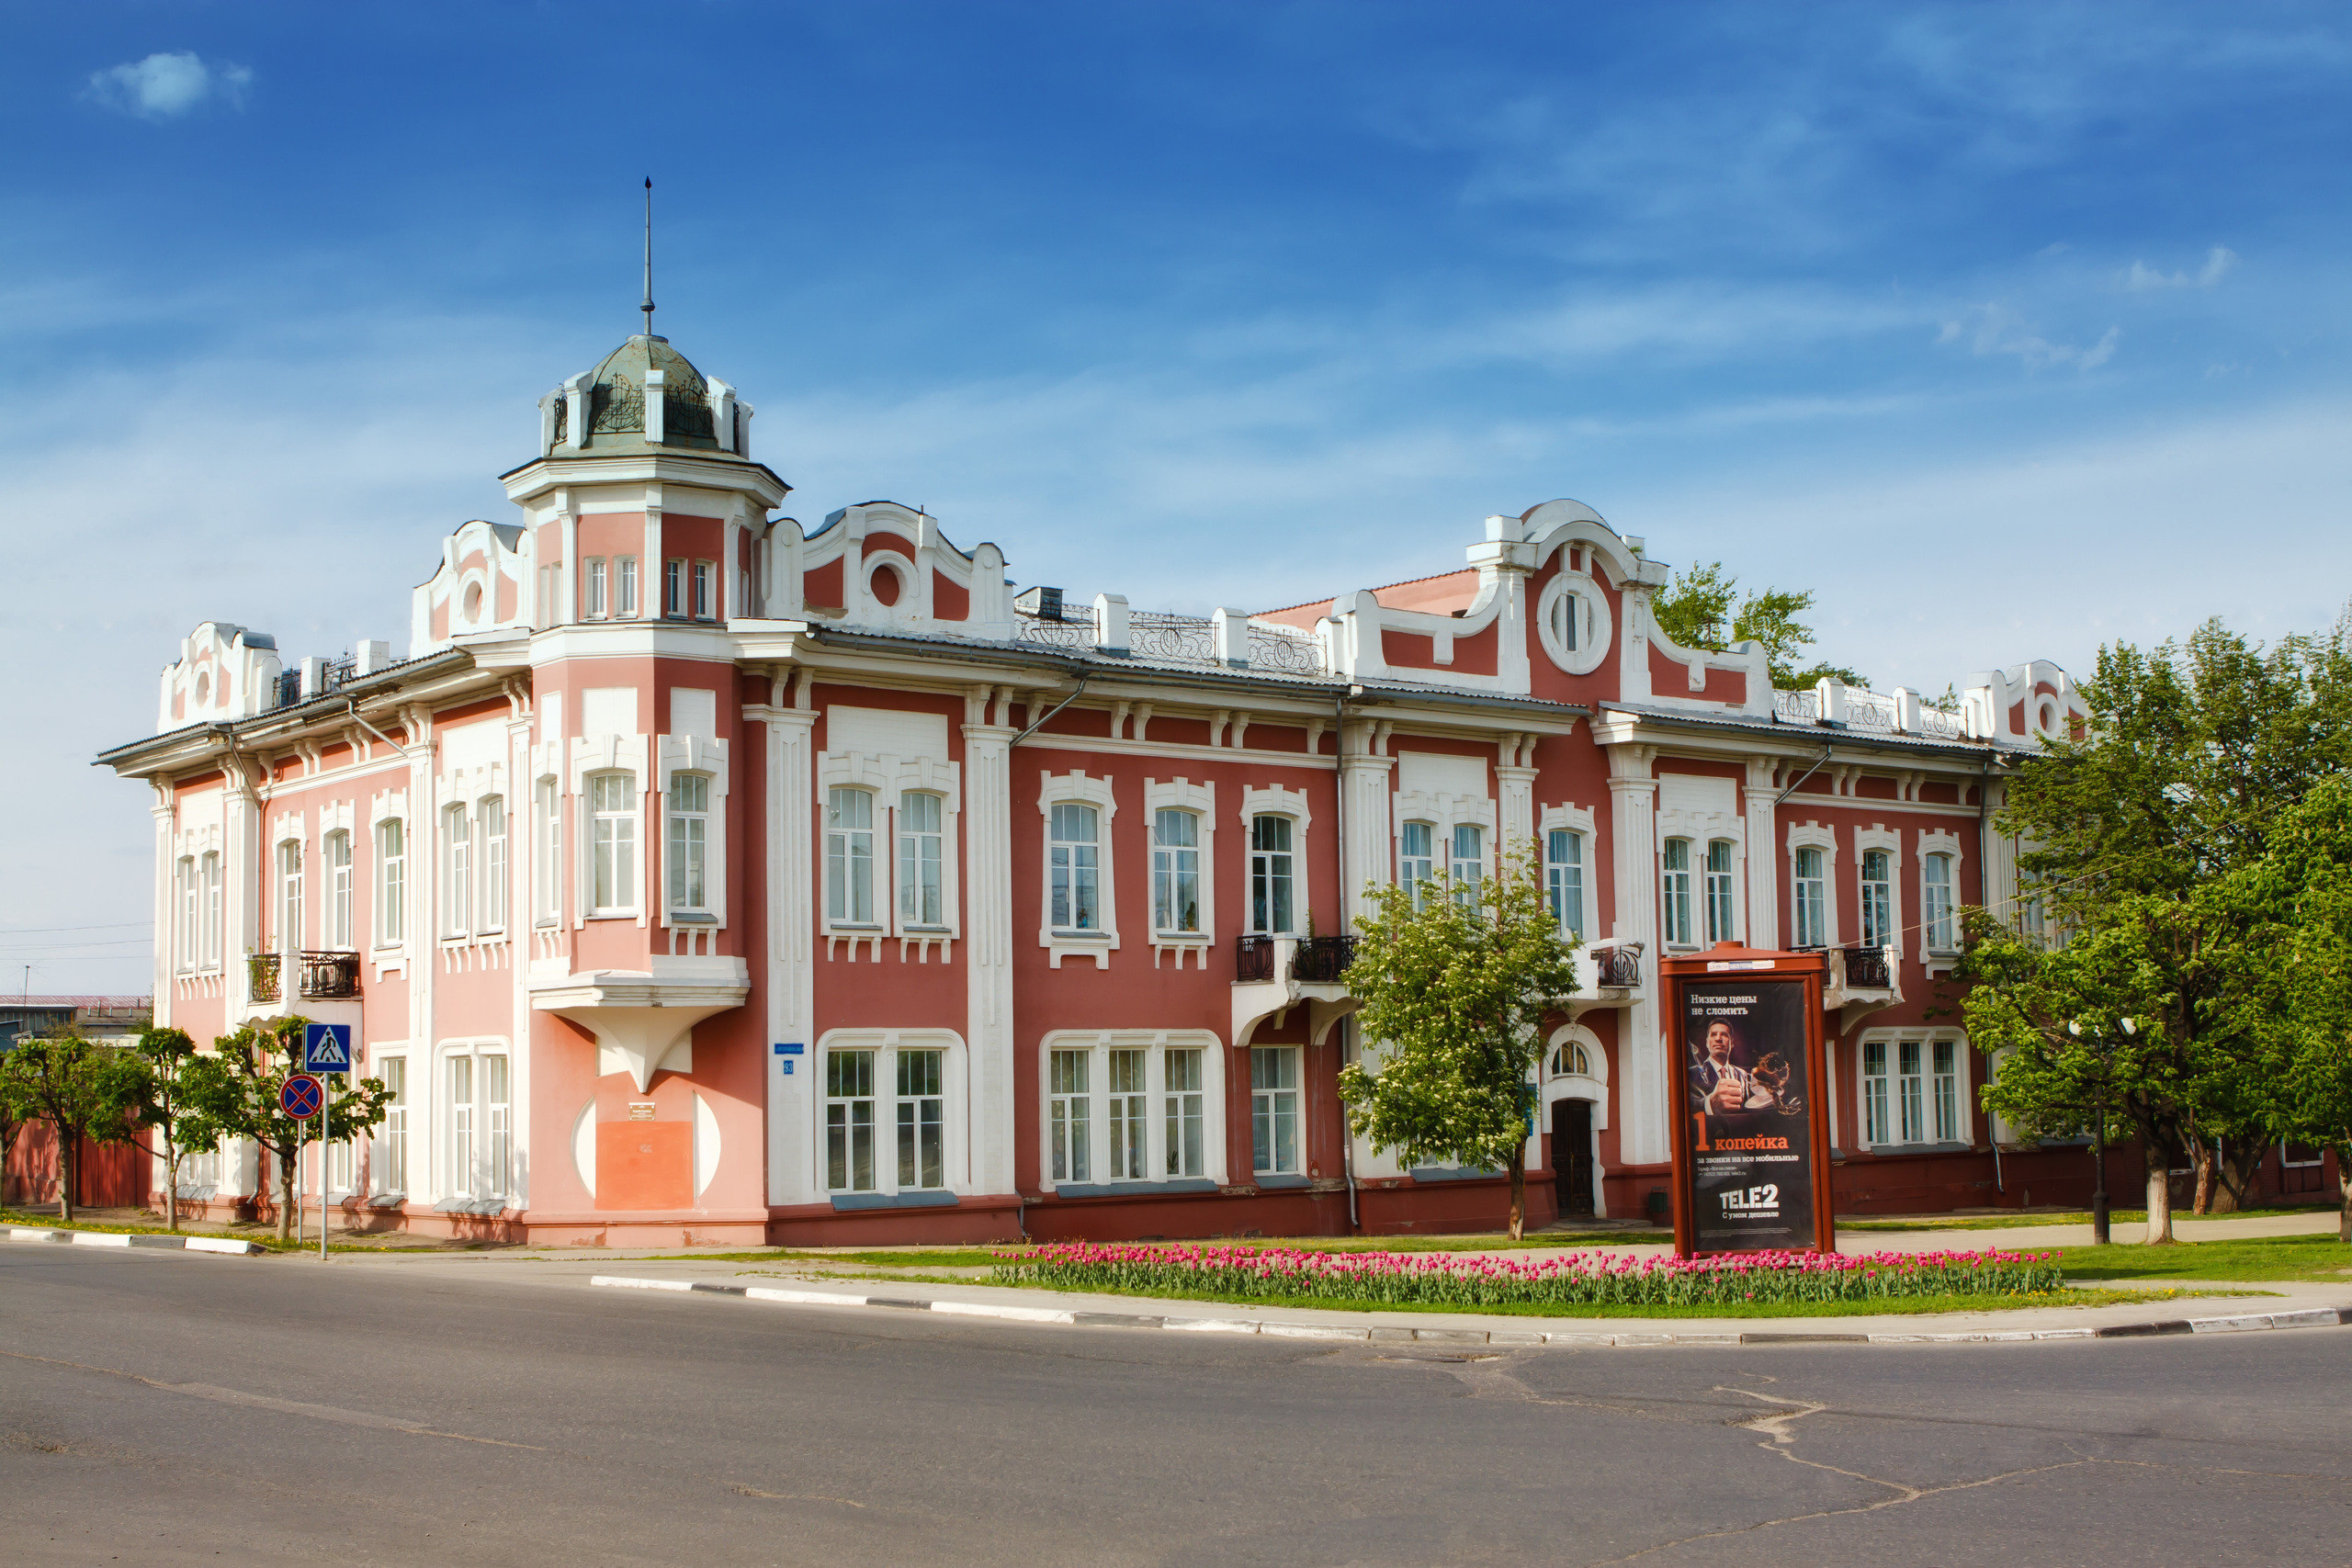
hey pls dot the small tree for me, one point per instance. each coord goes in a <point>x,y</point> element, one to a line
<point>80,1089</point>
<point>166,1111</point>
<point>232,1093</point>
<point>1697,611</point>
<point>1455,981</point>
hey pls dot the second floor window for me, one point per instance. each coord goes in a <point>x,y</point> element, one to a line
<point>188,917</point>
<point>547,873</point>
<point>921,888</point>
<point>1469,861</point>
<point>596,589</point>
<point>611,811</point>
<point>1720,908</point>
<point>208,874</point>
<point>1675,894</point>
<point>689,840</point>
<point>337,846</point>
<point>1812,899</point>
<point>673,587</point>
<point>1878,898</point>
<point>849,856</point>
<point>1417,858</point>
<point>706,602</point>
<point>1564,880</point>
<point>1270,874</point>
<point>1936,904</point>
<point>457,871</point>
<point>1175,871</point>
<point>1074,868</point>
<point>624,585</point>
<point>290,895</point>
<point>391,882</point>
<point>493,862</point>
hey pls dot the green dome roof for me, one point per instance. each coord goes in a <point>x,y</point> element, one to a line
<point>615,392</point>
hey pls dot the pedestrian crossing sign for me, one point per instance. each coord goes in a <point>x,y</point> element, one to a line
<point>326,1048</point>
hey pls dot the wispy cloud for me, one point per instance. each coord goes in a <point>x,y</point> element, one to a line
<point>166,86</point>
<point>2219,260</point>
<point>1997,328</point>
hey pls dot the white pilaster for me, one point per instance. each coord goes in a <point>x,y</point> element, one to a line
<point>1364,785</point>
<point>792,948</point>
<point>1642,1089</point>
<point>1516,786</point>
<point>1763,859</point>
<point>169,938</point>
<point>987,927</point>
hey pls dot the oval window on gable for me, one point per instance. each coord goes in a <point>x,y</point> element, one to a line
<point>1572,621</point>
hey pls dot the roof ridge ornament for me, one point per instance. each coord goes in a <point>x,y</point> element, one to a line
<point>648,306</point>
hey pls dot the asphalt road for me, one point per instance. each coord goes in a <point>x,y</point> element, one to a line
<point>162,1407</point>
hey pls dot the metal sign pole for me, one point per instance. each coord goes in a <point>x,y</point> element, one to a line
<point>322,1178</point>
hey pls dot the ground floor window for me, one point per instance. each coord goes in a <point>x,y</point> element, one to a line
<point>1129,1108</point>
<point>479,1127</point>
<point>1274,1109</point>
<point>898,1093</point>
<point>1911,1092</point>
<point>390,1162</point>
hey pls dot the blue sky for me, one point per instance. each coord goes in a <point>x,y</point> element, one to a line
<point>2007,331</point>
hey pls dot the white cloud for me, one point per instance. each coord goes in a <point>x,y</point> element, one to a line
<point>2219,260</point>
<point>165,86</point>
<point>1997,328</point>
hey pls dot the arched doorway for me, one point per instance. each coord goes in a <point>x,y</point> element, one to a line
<point>1577,1097</point>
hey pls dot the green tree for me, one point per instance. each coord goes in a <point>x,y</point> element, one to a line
<point>2192,752</point>
<point>1701,608</point>
<point>80,1089</point>
<point>231,1092</point>
<point>164,1108</point>
<point>2297,900</point>
<point>1454,982</point>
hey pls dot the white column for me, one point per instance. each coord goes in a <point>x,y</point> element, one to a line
<point>652,601</point>
<point>1763,859</point>
<point>1516,786</point>
<point>987,935</point>
<point>168,935</point>
<point>522,915</point>
<point>244,869</point>
<point>1363,787</point>
<point>1641,1052</point>
<point>790,898</point>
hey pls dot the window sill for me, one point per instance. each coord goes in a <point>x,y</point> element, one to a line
<point>1275,1178</point>
<point>1452,1173</point>
<point>471,1206</point>
<point>691,918</point>
<point>843,1201</point>
<point>610,915</point>
<point>1129,1189</point>
<point>1920,1148</point>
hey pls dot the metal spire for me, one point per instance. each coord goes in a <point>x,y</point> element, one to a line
<point>648,306</point>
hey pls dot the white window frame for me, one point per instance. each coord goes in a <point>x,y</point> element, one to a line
<point>840,877</point>
<point>335,848</point>
<point>1882,1123</point>
<point>1096,1046</point>
<point>915,845</point>
<point>1593,635</point>
<point>290,873</point>
<point>208,871</point>
<point>1075,788</point>
<point>1417,860</point>
<point>481,1163</point>
<point>705,590</point>
<point>1467,874</point>
<point>625,588</point>
<point>1276,801</point>
<point>1930,844</point>
<point>392,881</point>
<point>1271,868</point>
<point>1200,801</point>
<point>687,829</point>
<point>1720,891</point>
<point>631,815</point>
<point>674,588</point>
<point>457,871</point>
<point>954,1120</point>
<point>491,820</point>
<point>1888,842</point>
<point>1443,813</point>
<point>1813,836</point>
<point>705,758</point>
<point>593,590</point>
<point>889,778</point>
<point>1267,1103</point>
<point>190,919</point>
<point>1675,914</point>
<point>1678,816</point>
<point>546,870</point>
<point>388,1158</point>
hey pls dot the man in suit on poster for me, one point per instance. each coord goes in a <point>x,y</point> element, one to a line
<point>1720,1086</point>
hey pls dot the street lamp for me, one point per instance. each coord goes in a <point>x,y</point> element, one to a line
<point>2106,1067</point>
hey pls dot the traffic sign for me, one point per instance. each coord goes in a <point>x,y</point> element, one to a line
<point>300,1096</point>
<point>326,1048</point>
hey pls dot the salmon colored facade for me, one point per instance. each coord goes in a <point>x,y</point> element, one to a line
<point>698,876</point>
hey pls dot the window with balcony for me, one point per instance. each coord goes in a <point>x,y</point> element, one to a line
<point>625,586</point>
<point>1074,867</point>
<point>1722,909</point>
<point>336,847</point>
<point>611,843</point>
<point>689,843</point>
<point>595,608</point>
<point>1564,880</point>
<point>1936,905</point>
<point>1878,898</point>
<point>1272,879</point>
<point>392,883</point>
<point>457,871</point>
<point>1274,1109</point>
<point>922,887</point>
<point>1417,858</point>
<point>849,856</point>
<point>1175,871</point>
<point>1812,900</point>
<point>1674,907</point>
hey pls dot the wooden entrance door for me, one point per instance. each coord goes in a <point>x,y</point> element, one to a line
<point>1572,1155</point>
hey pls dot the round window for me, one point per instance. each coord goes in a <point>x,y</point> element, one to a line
<point>885,585</point>
<point>1572,618</point>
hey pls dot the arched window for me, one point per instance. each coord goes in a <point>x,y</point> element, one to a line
<point>1878,898</point>
<point>1936,904</point>
<point>1812,899</point>
<point>921,882</point>
<point>1075,867</point>
<point>337,845</point>
<point>1564,880</point>
<point>1175,870</point>
<point>1568,1058</point>
<point>492,816</point>
<point>391,882</point>
<point>1416,858</point>
<point>849,856</point>
<point>1272,878</point>
<point>1469,862</point>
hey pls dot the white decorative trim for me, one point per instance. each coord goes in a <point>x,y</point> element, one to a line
<point>1576,819</point>
<point>955,1157</point>
<point>1075,786</point>
<point>1878,836</point>
<point>1600,631</point>
<point>1813,836</point>
<point>887,777</point>
<point>1964,1096</point>
<point>1199,799</point>
<point>1937,841</point>
<point>688,754</point>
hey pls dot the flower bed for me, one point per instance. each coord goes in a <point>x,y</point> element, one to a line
<point>1578,1279</point>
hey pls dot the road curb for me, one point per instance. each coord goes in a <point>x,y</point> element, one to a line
<point>2245,1323</point>
<point>118,1238</point>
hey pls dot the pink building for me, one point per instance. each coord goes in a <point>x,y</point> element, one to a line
<point>701,876</point>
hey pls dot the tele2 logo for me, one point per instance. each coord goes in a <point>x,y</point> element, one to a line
<point>1745,1201</point>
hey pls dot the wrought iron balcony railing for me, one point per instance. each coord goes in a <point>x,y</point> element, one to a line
<point>1868,970</point>
<point>1253,959</point>
<point>1620,965</point>
<point>1322,960</point>
<point>318,975</point>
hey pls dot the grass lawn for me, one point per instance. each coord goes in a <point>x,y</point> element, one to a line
<point>2021,1222</point>
<point>983,1256</point>
<point>2319,1259</point>
<point>1903,1306</point>
<point>261,1237</point>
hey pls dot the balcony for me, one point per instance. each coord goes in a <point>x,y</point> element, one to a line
<point>1862,980</point>
<point>1609,975</point>
<point>1274,974</point>
<point>318,976</point>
